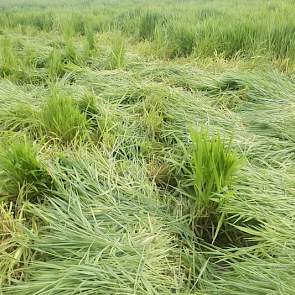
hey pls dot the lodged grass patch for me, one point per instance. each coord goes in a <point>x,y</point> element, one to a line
<point>122,235</point>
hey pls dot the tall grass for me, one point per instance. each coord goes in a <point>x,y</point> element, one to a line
<point>116,59</point>
<point>214,167</point>
<point>55,64</point>
<point>8,60</point>
<point>15,251</point>
<point>56,125</point>
<point>21,168</point>
<point>202,30</point>
<point>181,40</point>
<point>148,22</point>
<point>90,38</point>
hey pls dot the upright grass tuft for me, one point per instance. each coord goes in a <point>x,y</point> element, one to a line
<point>147,25</point>
<point>214,166</point>
<point>20,167</point>
<point>181,40</point>
<point>117,55</point>
<point>61,119</point>
<point>55,65</point>
<point>90,36</point>
<point>8,60</point>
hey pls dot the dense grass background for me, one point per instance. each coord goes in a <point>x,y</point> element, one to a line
<point>226,28</point>
<point>147,148</point>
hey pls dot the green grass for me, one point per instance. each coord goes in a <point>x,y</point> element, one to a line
<point>214,167</point>
<point>55,66</point>
<point>147,147</point>
<point>61,119</point>
<point>116,58</point>
<point>148,23</point>
<point>20,168</point>
<point>15,251</point>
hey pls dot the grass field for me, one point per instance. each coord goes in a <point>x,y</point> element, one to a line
<point>147,147</point>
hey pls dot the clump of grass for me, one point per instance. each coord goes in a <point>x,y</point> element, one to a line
<point>90,36</point>
<point>70,54</point>
<point>181,40</point>
<point>60,56</point>
<point>159,43</point>
<point>55,65</point>
<point>147,25</point>
<point>7,57</point>
<point>77,24</point>
<point>214,166</point>
<point>214,170</point>
<point>117,55</point>
<point>61,119</point>
<point>20,167</point>
<point>15,251</point>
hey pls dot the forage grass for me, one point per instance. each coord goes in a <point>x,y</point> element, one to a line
<point>181,41</point>
<point>90,38</point>
<point>115,195</point>
<point>214,166</point>
<point>56,125</point>
<point>8,59</point>
<point>15,251</point>
<point>20,167</point>
<point>55,64</point>
<point>147,25</point>
<point>117,55</point>
<point>99,239</point>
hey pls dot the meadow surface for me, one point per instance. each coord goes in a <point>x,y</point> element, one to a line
<point>147,147</point>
